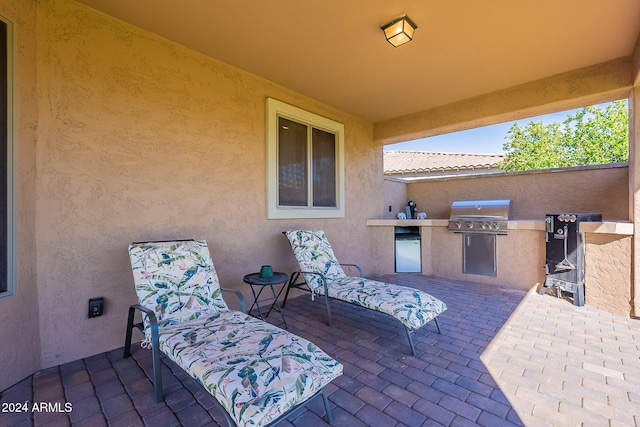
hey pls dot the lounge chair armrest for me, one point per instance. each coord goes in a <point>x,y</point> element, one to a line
<point>241,300</point>
<point>356,266</point>
<point>324,279</point>
<point>153,322</point>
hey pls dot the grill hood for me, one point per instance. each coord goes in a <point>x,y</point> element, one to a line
<point>496,209</point>
<point>480,216</point>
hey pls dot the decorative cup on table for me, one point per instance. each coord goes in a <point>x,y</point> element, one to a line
<point>402,215</point>
<point>266,271</point>
<point>422,215</point>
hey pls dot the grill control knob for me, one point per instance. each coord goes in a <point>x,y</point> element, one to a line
<point>572,218</point>
<point>470,225</point>
<point>485,225</point>
<point>458,224</point>
<point>496,225</point>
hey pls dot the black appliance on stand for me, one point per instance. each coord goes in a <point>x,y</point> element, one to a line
<point>564,265</point>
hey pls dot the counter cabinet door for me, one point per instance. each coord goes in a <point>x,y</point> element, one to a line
<point>479,254</point>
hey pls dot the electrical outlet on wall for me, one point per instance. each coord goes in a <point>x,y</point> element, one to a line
<point>96,307</point>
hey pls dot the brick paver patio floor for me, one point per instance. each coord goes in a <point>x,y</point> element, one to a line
<point>505,357</point>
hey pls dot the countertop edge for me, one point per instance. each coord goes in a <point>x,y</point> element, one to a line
<point>408,222</point>
<point>623,228</point>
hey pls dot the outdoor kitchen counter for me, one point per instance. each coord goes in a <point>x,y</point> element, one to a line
<point>624,228</point>
<point>520,256</point>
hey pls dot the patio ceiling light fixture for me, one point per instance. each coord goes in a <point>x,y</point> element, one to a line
<point>399,30</point>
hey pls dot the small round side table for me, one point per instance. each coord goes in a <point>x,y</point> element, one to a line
<point>255,281</point>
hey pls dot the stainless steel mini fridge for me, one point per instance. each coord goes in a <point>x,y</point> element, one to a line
<point>407,248</point>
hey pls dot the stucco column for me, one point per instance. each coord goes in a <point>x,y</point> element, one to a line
<point>634,196</point>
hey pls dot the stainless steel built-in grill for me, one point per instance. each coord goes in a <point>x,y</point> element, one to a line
<point>480,216</point>
<point>479,222</point>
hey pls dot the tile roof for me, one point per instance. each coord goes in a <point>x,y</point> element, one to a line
<point>397,162</point>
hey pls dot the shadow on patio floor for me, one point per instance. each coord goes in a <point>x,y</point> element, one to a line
<point>506,357</point>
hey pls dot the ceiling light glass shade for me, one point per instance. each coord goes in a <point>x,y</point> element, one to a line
<point>400,30</point>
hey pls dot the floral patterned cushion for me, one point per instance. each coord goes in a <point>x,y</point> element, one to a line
<point>314,254</point>
<point>412,307</point>
<point>256,371</point>
<point>176,279</point>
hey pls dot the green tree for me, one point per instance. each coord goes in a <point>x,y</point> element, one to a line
<point>591,136</point>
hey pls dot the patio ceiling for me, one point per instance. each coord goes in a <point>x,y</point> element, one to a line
<point>335,52</point>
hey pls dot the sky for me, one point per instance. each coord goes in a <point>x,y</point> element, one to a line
<point>484,140</point>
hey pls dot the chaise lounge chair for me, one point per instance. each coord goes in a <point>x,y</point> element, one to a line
<point>257,372</point>
<point>322,274</point>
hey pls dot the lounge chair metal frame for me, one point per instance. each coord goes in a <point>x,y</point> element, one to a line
<point>157,365</point>
<point>298,281</point>
<point>156,355</point>
<point>155,344</point>
<point>302,285</point>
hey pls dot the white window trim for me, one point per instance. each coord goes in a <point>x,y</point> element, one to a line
<point>11,274</point>
<point>277,109</point>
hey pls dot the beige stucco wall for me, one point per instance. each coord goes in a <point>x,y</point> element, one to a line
<point>608,273</point>
<point>519,258</point>
<point>19,315</point>
<point>139,138</point>
<point>574,89</point>
<point>600,190</point>
<point>395,196</point>
<point>520,255</point>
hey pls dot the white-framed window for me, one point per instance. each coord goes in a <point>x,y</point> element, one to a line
<point>8,279</point>
<point>305,164</point>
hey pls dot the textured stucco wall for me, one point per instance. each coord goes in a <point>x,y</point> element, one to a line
<point>142,139</point>
<point>587,86</point>
<point>395,195</point>
<point>533,194</point>
<point>19,334</point>
<point>519,257</point>
<point>608,273</point>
